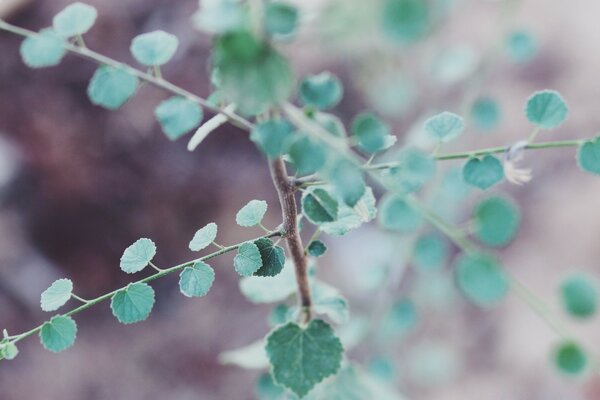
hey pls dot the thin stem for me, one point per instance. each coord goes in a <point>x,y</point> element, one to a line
<point>154,266</point>
<point>73,295</point>
<point>264,228</point>
<point>314,237</point>
<point>156,70</point>
<point>80,42</point>
<point>218,245</point>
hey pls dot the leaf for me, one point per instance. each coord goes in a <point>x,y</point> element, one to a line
<point>220,16</point>
<point>137,256</point>
<point>415,169</point>
<point>328,301</point>
<point>154,48</point>
<point>485,113</point>
<point>396,215</point>
<point>252,213</point>
<point>401,318</point>
<point>546,109</point>
<point>521,46</point>
<point>8,351</point>
<point>203,237</point>
<point>56,295</point>
<point>350,218</point>
<point>405,20</point>
<point>321,91</point>
<point>496,221</point>
<point>266,389</point>
<point>252,356</point>
<point>58,334</point>
<point>570,358</point>
<point>307,155</point>
<point>196,281</point>
<point>45,49</point>
<point>430,252</point>
<point>248,259</point>
<point>75,19</point>
<point>273,258</point>
<point>445,126</point>
<point>281,18</point>
<point>111,87</point>
<point>370,132</point>
<point>318,206</point>
<point>317,248</point>
<point>481,279</point>
<point>347,180</point>
<point>331,124</point>
<point>483,173</point>
<point>273,137</point>
<point>177,116</point>
<point>303,357</point>
<point>588,156</point>
<point>579,296</point>
<point>133,304</point>
<point>260,289</point>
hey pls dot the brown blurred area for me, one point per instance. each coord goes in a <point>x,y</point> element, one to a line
<point>78,184</point>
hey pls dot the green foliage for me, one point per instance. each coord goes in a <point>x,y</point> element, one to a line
<point>370,132</point>
<point>177,116</point>
<point>401,318</point>
<point>396,215</point>
<point>203,237</point>
<point>318,206</point>
<point>302,357</point>
<point>347,181</point>
<point>485,113</point>
<point>405,20</point>
<point>546,109</point>
<point>307,154</point>
<point>56,295</point>
<point>329,302</point>
<point>273,137</point>
<point>579,296</point>
<point>252,213</point>
<point>58,334</point>
<point>483,172</point>
<point>588,156</point>
<point>273,258</point>
<point>496,221</point>
<point>321,91</point>
<point>220,16</point>
<point>8,351</point>
<point>430,252</point>
<point>133,303</point>
<point>248,260</point>
<point>570,358</point>
<point>415,169</point>
<point>350,218</point>
<point>281,18</point>
<point>75,19</point>
<point>481,279</point>
<point>137,256</point>
<point>317,248</point>
<point>521,46</point>
<point>196,281</point>
<point>445,126</point>
<point>259,289</point>
<point>154,48</point>
<point>111,87</point>
<point>46,49</point>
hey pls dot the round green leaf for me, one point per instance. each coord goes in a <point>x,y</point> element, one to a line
<point>307,155</point>
<point>481,279</point>
<point>579,296</point>
<point>137,256</point>
<point>570,358</point>
<point>273,137</point>
<point>75,19</point>
<point>8,351</point>
<point>154,48</point>
<point>133,304</point>
<point>321,91</point>
<point>56,295</point>
<point>273,258</point>
<point>252,213</point>
<point>430,252</point>
<point>521,46</point>
<point>58,334</point>
<point>281,18</point>
<point>177,116</point>
<point>302,357</point>
<point>347,180</point>
<point>45,49</point>
<point>445,126</point>
<point>485,113</point>
<point>196,281</point>
<point>415,169</point>
<point>497,221</point>
<point>396,215</point>
<point>318,206</point>
<point>370,132</point>
<point>248,259</point>
<point>483,172</point>
<point>203,237</point>
<point>317,248</point>
<point>588,156</point>
<point>546,109</point>
<point>111,87</point>
<point>405,20</point>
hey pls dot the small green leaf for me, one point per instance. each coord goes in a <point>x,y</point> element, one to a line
<point>252,213</point>
<point>75,19</point>
<point>248,259</point>
<point>546,109</point>
<point>445,126</point>
<point>111,87</point>
<point>570,358</point>
<point>133,304</point>
<point>266,389</point>
<point>483,172</point>
<point>8,351</point>
<point>154,48</point>
<point>307,155</point>
<point>370,132</point>
<point>350,218</point>
<point>588,156</point>
<point>303,357</point>
<point>485,113</point>
<point>405,20</point>
<point>281,18</point>
<point>203,237</point>
<point>402,317</point>
<point>317,248</point>
<point>58,334</point>
<point>321,91</point>
<point>331,124</point>
<point>329,302</point>
<point>56,295</point>
<point>137,256</point>
<point>45,49</point>
<point>521,46</point>
<point>220,16</point>
<point>415,169</point>
<point>579,296</point>
<point>396,215</point>
<point>496,221</point>
<point>481,279</point>
<point>273,137</point>
<point>347,180</point>
<point>273,258</point>
<point>318,206</point>
<point>260,289</point>
<point>430,252</point>
<point>196,281</point>
<point>177,116</point>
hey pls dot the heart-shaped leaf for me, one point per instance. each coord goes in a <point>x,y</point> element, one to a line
<point>483,173</point>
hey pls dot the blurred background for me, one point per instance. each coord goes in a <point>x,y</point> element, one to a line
<point>78,184</point>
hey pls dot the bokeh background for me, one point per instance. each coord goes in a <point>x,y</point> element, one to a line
<point>78,184</point>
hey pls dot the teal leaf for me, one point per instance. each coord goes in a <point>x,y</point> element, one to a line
<point>350,218</point>
<point>111,87</point>
<point>58,334</point>
<point>56,295</point>
<point>401,318</point>
<point>485,113</point>
<point>154,48</point>
<point>496,221</point>
<point>137,256</point>
<point>331,124</point>
<point>8,351</point>
<point>579,296</point>
<point>248,260</point>
<point>273,137</point>
<point>259,289</point>
<point>415,169</point>
<point>445,126</point>
<point>252,213</point>
<point>570,358</point>
<point>546,109</point>
<point>204,237</point>
<point>483,172</point>
<point>481,279</point>
<point>588,156</point>
<point>177,116</point>
<point>396,215</point>
<point>307,155</point>
<point>252,356</point>
<point>266,389</point>
<point>347,180</point>
<point>133,304</point>
<point>273,258</point>
<point>317,248</point>
<point>370,132</point>
<point>405,20</point>
<point>220,16</point>
<point>430,252</point>
<point>521,46</point>
<point>318,206</point>
<point>281,18</point>
<point>321,91</point>
<point>75,19</point>
<point>45,49</point>
<point>329,302</point>
<point>302,357</point>
<point>196,281</point>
